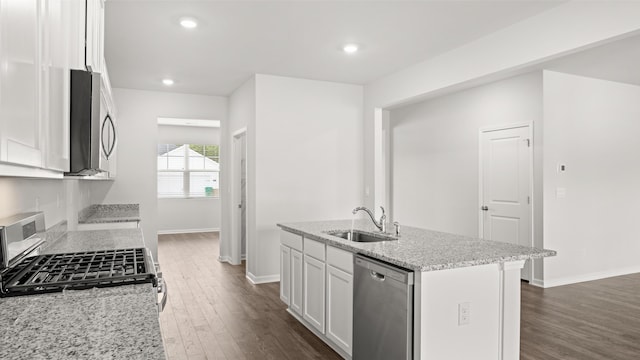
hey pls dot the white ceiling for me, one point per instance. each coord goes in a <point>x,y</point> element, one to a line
<point>144,42</point>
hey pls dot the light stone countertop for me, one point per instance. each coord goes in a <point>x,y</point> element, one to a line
<point>419,249</point>
<point>109,213</point>
<point>118,322</point>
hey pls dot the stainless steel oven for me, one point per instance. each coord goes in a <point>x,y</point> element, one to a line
<point>27,271</point>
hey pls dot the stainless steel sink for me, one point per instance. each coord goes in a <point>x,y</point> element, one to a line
<point>361,236</point>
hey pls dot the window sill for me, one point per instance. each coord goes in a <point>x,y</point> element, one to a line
<point>187,197</point>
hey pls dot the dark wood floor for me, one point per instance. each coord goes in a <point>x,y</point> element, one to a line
<point>213,312</point>
<point>594,320</point>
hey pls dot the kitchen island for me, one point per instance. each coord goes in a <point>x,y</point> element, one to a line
<point>119,322</point>
<point>466,301</point>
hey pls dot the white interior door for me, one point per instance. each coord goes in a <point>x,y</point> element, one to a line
<point>239,196</point>
<point>506,191</point>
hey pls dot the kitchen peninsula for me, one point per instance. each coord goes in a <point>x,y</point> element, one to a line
<point>466,297</point>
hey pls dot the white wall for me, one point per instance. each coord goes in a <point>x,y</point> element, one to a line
<point>559,31</point>
<point>591,126</point>
<point>188,215</point>
<point>435,151</point>
<point>138,113</point>
<point>58,199</point>
<point>177,216</point>
<point>308,158</point>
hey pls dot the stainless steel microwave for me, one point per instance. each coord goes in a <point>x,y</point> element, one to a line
<point>92,130</point>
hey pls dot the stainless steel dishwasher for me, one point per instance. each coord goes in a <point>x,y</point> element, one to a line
<point>382,311</point>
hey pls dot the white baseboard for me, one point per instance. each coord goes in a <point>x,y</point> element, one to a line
<point>226,259</point>
<point>590,277</point>
<point>187,231</point>
<point>262,279</point>
<point>243,257</point>
<point>537,282</point>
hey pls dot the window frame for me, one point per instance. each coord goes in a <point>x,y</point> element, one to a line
<point>186,174</point>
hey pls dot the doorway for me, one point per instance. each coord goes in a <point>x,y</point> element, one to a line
<point>506,167</point>
<point>239,196</point>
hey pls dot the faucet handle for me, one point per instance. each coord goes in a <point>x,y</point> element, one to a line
<point>397,225</point>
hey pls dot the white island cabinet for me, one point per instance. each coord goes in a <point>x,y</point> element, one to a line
<point>466,294</point>
<point>316,282</point>
<point>340,297</point>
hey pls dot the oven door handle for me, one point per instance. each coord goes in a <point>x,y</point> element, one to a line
<point>162,289</point>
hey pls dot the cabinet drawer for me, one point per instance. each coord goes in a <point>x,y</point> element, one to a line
<point>291,240</point>
<point>314,248</point>
<point>340,259</point>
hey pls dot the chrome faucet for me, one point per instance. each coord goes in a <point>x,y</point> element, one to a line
<point>381,225</point>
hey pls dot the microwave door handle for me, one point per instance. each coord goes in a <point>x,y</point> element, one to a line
<point>112,145</point>
<point>104,149</point>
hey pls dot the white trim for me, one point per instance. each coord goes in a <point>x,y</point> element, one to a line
<point>225,258</point>
<point>590,277</point>
<point>537,282</point>
<point>168,121</point>
<point>262,279</point>
<point>181,197</point>
<point>236,245</point>
<point>8,169</point>
<point>243,256</point>
<point>239,132</point>
<point>532,208</point>
<point>187,231</point>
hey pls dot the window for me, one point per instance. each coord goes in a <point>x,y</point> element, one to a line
<point>188,170</point>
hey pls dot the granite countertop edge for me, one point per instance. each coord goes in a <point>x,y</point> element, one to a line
<point>371,250</point>
<point>109,213</point>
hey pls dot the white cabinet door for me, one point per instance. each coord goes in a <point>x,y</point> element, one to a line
<point>296,282</point>
<point>314,292</point>
<point>20,125</point>
<point>75,14</point>
<point>340,308</point>
<point>55,82</point>
<point>95,35</point>
<point>285,274</point>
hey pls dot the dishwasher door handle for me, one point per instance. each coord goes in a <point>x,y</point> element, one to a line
<point>376,276</point>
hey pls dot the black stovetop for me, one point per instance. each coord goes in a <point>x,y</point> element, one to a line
<point>76,271</point>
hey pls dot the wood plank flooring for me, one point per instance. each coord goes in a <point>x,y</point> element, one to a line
<point>595,320</point>
<point>213,312</point>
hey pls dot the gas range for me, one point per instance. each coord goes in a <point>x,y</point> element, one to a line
<point>24,271</point>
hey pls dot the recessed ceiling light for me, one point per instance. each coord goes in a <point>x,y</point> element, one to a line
<point>188,23</point>
<point>350,48</point>
<point>167,82</point>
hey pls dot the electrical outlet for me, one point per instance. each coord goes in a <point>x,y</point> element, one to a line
<point>464,314</point>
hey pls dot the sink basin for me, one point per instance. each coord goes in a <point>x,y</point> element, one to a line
<point>361,236</point>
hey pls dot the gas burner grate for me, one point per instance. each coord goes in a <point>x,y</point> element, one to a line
<point>81,270</point>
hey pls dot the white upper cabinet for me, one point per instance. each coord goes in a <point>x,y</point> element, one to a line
<point>56,61</point>
<point>21,132</point>
<point>95,35</point>
<point>40,41</point>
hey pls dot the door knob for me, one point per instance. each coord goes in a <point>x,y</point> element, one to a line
<point>484,208</point>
